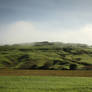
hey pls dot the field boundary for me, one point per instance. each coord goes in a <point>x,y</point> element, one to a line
<point>66,73</point>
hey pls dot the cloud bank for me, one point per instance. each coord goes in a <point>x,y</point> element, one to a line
<point>23,31</point>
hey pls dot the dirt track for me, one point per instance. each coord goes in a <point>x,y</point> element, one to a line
<point>76,73</point>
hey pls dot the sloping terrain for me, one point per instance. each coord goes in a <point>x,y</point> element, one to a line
<point>46,55</point>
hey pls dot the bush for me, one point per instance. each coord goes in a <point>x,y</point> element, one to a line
<point>73,66</point>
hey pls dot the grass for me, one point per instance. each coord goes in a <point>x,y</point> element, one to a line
<point>46,55</point>
<point>45,84</point>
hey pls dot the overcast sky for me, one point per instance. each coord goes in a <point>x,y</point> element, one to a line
<point>45,20</point>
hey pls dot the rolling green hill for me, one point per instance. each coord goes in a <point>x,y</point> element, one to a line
<point>46,55</point>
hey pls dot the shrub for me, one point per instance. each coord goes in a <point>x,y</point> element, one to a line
<point>73,66</point>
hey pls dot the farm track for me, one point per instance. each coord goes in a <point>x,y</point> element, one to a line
<point>66,73</point>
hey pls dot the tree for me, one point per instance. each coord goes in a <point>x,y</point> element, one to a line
<point>47,65</point>
<point>73,66</point>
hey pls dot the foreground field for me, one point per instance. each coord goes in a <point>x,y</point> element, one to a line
<point>45,84</point>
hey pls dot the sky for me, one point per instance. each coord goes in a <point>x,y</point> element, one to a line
<point>25,21</point>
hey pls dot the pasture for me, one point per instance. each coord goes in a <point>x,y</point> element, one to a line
<point>45,81</point>
<point>45,84</point>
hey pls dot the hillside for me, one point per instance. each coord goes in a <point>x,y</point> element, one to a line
<point>46,55</point>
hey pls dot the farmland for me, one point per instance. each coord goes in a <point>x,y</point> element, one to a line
<point>45,80</point>
<point>46,67</point>
<point>45,84</point>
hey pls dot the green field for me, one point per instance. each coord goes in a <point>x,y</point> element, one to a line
<point>45,84</point>
<point>46,67</point>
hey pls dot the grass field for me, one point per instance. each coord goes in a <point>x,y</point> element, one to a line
<point>45,84</point>
<point>45,81</point>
